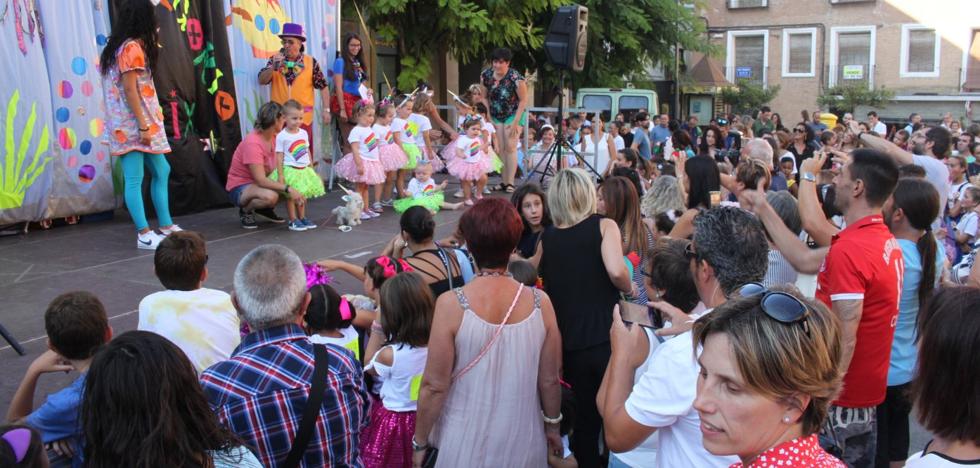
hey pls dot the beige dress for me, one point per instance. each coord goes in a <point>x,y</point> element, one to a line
<point>492,415</point>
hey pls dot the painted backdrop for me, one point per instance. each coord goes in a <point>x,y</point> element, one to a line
<point>54,161</point>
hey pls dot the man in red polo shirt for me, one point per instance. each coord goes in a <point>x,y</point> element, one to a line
<point>860,278</point>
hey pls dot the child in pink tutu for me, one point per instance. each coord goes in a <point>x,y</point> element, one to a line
<point>393,157</point>
<point>471,163</point>
<point>363,164</point>
<point>407,306</point>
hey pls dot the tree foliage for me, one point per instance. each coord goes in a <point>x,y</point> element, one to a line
<point>847,97</point>
<point>626,37</point>
<point>748,96</point>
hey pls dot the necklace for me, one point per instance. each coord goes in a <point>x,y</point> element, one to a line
<point>495,273</point>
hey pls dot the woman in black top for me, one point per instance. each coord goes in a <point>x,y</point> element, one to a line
<point>531,202</point>
<point>802,146</point>
<point>438,266</point>
<point>581,264</point>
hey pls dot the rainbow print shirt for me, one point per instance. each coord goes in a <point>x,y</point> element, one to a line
<point>295,148</point>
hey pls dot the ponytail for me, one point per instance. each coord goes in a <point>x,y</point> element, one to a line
<point>919,201</point>
<point>926,245</point>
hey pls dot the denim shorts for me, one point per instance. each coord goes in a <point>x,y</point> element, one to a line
<point>235,194</point>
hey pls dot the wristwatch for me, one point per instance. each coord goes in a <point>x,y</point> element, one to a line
<point>418,447</point>
<point>809,177</point>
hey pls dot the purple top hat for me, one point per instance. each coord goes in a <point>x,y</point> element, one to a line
<point>293,30</point>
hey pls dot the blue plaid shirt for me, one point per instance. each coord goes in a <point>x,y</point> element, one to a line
<point>261,390</point>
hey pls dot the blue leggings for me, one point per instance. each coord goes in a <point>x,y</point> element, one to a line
<point>132,166</point>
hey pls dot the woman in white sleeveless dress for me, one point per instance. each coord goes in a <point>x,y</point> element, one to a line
<point>601,144</point>
<point>490,394</point>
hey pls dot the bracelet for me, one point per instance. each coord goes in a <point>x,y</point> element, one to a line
<point>286,189</point>
<point>417,447</point>
<point>548,420</point>
<point>144,129</point>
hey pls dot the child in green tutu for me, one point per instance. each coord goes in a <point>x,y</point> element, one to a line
<point>423,191</point>
<point>293,161</point>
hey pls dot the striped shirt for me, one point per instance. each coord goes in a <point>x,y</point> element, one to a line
<point>260,393</point>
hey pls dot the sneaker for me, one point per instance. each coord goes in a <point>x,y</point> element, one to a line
<point>309,224</point>
<point>458,194</point>
<point>296,225</point>
<point>374,214</point>
<point>468,202</point>
<point>388,202</point>
<point>377,207</point>
<point>170,230</point>
<point>365,215</point>
<point>270,215</point>
<point>487,191</point>
<point>148,241</point>
<point>248,219</point>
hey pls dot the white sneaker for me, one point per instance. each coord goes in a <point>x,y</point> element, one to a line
<point>364,216</point>
<point>170,230</point>
<point>375,214</point>
<point>458,194</point>
<point>148,241</point>
<point>486,191</point>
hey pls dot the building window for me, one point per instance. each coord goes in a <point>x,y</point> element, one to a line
<point>919,52</point>
<point>748,56</point>
<point>799,52</point>
<point>852,55</point>
<point>735,4</point>
<point>971,80</point>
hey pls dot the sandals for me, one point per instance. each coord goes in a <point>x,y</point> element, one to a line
<point>502,187</point>
<point>508,188</point>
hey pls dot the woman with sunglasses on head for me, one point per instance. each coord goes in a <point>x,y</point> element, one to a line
<point>769,371</point>
<point>802,145</point>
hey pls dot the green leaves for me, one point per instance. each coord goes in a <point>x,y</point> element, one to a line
<point>847,97</point>
<point>626,37</point>
<point>748,96</point>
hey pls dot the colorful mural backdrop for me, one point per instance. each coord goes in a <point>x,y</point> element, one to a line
<point>54,160</point>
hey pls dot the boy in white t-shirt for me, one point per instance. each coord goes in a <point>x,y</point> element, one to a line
<point>202,322</point>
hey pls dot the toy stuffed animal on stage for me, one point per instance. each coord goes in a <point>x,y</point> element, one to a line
<point>350,214</point>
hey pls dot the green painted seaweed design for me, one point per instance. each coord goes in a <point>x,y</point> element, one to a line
<point>15,179</point>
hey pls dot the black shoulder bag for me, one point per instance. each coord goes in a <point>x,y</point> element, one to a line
<point>312,410</point>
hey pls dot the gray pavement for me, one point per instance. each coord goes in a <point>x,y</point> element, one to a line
<point>102,258</point>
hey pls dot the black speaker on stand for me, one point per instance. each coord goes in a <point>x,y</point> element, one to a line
<point>565,45</point>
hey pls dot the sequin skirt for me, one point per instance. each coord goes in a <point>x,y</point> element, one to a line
<point>387,441</point>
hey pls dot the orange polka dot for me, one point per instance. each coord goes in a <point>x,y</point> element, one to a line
<point>154,128</point>
<point>148,91</point>
<point>120,135</point>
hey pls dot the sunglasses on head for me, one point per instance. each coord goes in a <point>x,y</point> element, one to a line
<point>799,130</point>
<point>689,252</point>
<point>779,306</point>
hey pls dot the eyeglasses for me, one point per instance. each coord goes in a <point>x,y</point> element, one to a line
<point>799,130</point>
<point>779,306</point>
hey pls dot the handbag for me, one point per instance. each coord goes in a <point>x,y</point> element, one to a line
<point>312,409</point>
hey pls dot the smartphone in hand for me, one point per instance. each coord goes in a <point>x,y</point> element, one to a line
<point>641,315</point>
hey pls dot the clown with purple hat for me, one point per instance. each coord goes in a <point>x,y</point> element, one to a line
<point>295,75</point>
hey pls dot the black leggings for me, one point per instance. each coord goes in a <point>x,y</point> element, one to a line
<point>893,426</point>
<point>583,371</point>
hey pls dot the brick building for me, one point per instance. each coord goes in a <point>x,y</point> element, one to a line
<point>920,49</point>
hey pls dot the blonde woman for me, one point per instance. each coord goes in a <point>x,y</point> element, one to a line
<point>769,371</point>
<point>664,196</point>
<point>581,264</point>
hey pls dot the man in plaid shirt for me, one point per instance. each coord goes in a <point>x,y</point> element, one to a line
<point>261,390</point>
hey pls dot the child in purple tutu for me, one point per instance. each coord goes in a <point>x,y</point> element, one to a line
<point>471,164</point>
<point>363,164</point>
<point>393,157</point>
<point>407,306</point>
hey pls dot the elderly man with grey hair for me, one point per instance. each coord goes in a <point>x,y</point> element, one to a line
<point>262,390</point>
<point>728,250</point>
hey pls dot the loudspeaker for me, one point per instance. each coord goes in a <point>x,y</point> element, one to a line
<point>565,44</point>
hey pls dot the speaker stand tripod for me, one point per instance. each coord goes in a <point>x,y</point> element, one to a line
<point>554,152</point>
